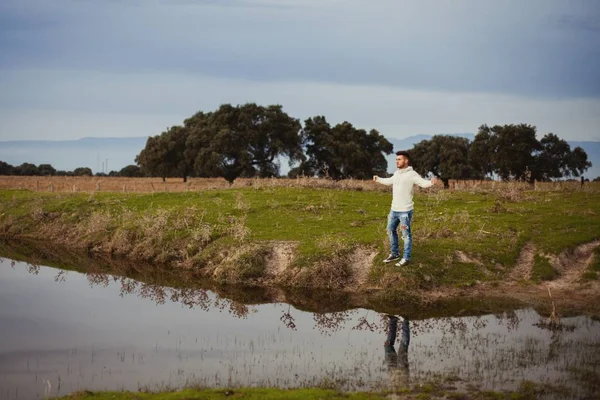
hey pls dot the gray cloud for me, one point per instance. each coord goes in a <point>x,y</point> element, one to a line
<point>71,104</point>
<point>504,47</point>
<point>73,68</point>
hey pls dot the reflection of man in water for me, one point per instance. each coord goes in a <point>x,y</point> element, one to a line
<point>397,362</point>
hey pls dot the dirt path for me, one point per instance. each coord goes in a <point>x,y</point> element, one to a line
<point>281,258</point>
<point>572,266</point>
<point>524,268</point>
<point>569,291</point>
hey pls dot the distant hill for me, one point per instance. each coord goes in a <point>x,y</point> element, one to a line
<point>591,148</point>
<point>96,153</point>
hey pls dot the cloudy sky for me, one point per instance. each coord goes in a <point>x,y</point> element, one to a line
<point>80,68</point>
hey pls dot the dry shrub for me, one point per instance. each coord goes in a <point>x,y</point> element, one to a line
<point>7,223</point>
<point>241,203</point>
<point>335,245</point>
<point>460,222</point>
<point>98,222</point>
<point>150,185</point>
<point>314,208</point>
<point>332,273</point>
<point>438,196</point>
<point>398,282</point>
<point>184,220</point>
<point>127,217</point>
<point>435,227</point>
<point>144,250</point>
<point>243,265</point>
<point>498,207</point>
<point>201,234</point>
<point>154,225</point>
<point>152,228</point>
<point>37,212</point>
<point>121,242</point>
<point>513,191</point>
<point>235,227</point>
<point>272,203</point>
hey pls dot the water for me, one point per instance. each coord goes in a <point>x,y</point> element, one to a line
<point>63,331</point>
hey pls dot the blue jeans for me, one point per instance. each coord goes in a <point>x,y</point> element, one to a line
<point>403,219</point>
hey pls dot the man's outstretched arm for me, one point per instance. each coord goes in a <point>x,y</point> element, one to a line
<point>424,183</point>
<point>383,181</point>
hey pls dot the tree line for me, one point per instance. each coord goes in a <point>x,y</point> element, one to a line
<point>508,152</point>
<point>29,169</point>
<point>251,140</point>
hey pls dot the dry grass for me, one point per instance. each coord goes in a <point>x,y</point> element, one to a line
<point>511,191</point>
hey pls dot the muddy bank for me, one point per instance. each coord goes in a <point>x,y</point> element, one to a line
<point>567,296</point>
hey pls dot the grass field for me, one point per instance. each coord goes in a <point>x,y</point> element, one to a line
<point>526,391</point>
<point>316,233</point>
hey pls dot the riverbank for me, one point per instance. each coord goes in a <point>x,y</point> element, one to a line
<point>514,242</point>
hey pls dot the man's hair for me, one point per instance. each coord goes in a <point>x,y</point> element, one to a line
<point>403,153</point>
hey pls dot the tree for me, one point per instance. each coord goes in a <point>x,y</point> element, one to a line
<point>131,171</point>
<point>27,169</point>
<point>481,152</point>
<point>46,169</point>
<point>164,154</point>
<point>343,151</point>
<point>241,141</point>
<point>82,171</point>
<point>551,160</point>
<point>577,162</point>
<point>6,168</point>
<point>513,152</point>
<point>514,147</point>
<point>447,157</point>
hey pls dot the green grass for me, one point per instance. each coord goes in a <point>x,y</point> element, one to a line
<point>247,394</point>
<point>542,269</point>
<point>326,224</point>
<point>527,390</point>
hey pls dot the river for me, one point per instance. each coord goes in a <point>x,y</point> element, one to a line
<point>63,331</point>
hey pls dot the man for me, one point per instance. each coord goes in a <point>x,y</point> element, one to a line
<point>397,362</point>
<point>403,182</point>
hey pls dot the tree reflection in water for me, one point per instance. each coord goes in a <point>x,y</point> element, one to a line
<point>481,349</point>
<point>326,323</point>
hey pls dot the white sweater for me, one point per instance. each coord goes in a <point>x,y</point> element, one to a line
<point>403,182</point>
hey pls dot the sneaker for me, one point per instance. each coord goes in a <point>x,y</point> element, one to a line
<point>402,263</point>
<point>391,258</point>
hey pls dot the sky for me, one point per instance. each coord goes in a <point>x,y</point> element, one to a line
<point>117,68</point>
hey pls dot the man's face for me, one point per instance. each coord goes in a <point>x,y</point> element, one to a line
<point>401,162</point>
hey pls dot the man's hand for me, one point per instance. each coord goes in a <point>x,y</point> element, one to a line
<point>436,181</point>
<point>375,178</point>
